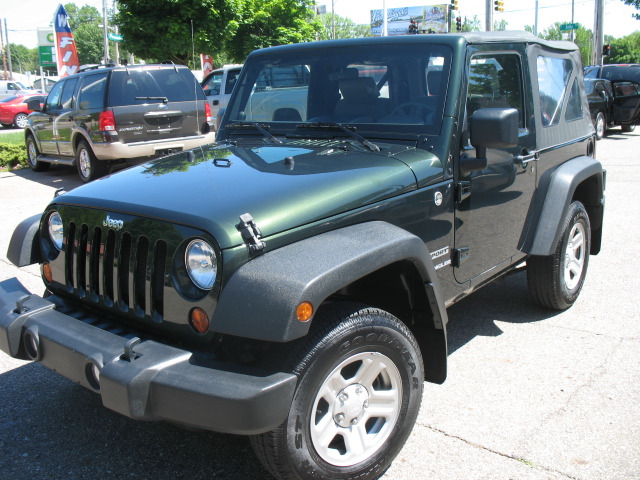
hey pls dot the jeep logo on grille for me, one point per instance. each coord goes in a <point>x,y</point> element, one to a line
<point>113,223</point>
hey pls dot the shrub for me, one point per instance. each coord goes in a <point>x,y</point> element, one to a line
<point>12,156</point>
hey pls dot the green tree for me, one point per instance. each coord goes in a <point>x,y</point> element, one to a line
<point>499,26</point>
<point>471,25</point>
<point>24,59</point>
<point>345,27</point>
<point>582,37</point>
<point>88,35</point>
<point>634,3</point>
<point>265,23</point>
<point>162,29</point>
<point>625,49</point>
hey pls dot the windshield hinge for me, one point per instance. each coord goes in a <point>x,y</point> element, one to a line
<point>463,190</point>
<point>250,234</point>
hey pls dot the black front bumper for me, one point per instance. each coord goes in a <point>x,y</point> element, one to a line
<point>155,382</point>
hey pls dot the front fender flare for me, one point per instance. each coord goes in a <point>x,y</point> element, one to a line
<point>24,246</point>
<point>260,299</point>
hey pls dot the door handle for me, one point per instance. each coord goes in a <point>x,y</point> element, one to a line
<point>526,158</point>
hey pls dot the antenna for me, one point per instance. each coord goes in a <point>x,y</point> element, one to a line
<point>195,86</point>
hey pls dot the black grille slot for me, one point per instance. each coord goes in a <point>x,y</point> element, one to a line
<point>70,254</point>
<point>140,275</point>
<point>123,268</point>
<point>82,259</point>
<point>157,279</point>
<point>109,259</point>
<point>94,262</point>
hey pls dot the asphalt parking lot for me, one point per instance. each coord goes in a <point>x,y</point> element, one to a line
<point>531,394</point>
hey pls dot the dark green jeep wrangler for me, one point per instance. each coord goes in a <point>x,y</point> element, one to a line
<point>291,281</point>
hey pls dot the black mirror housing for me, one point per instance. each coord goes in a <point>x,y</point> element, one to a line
<point>34,104</point>
<point>494,128</point>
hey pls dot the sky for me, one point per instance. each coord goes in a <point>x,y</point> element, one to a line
<point>24,16</point>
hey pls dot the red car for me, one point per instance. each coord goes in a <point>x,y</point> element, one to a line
<point>14,110</point>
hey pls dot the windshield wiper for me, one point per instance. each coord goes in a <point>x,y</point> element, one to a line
<point>370,145</point>
<point>258,127</point>
<point>162,99</point>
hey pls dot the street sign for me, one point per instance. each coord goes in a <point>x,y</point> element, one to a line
<point>47,56</point>
<point>569,26</point>
<point>114,36</point>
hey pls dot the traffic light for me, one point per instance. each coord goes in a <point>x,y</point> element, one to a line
<point>454,4</point>
<point>458,23</point>
<point>606,50</point>
<point>498,5</point>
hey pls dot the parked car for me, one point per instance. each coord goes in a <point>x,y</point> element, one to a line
<point>218,86</point>
<point>611,104</point>
<point>627,72</point>
<point>9,88</point>
<point>106,116</point>
<point>14,109</point>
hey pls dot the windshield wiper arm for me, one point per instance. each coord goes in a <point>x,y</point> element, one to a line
<point>352,133</point>
<point>258,127</point>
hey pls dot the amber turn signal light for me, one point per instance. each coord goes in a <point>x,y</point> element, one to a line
<point>304,311</point>
<point>46,271</point>
<point>199,320</point>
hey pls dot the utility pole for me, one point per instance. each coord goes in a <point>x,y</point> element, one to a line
<point>572,12</point>
<point>4,57</point>
<point>6,39</point>
<point>598,32</point>
<point>535,24</point>
<point>105,26</point>
<point>489,22</point>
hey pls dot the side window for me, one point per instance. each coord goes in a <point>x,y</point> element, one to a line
<point>553,81</point>
<point>232,76</point>
<point>212,86</point>
<point>495,81</point>
<point>91,95</point>
<point>574,105</point>
<point>66,101</point>
<point>53,99</point>
<point>12,86</point>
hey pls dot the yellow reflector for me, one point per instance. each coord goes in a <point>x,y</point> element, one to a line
<point>46,270</point>
<point>199,320</point>
<point>304,311</point>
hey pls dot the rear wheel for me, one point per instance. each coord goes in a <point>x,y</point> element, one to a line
<point>555,281</point>
<point>358,394</point>
<point>32,156</point>
<point>89,167</point>
<point>20,120</point>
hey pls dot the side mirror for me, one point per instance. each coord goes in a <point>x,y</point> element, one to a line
<point>34,104</point>
<point>494,128</point>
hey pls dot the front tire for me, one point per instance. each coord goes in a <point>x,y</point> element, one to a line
<point>555,281</point>
<point>360,381</point>
<point>89,167</point>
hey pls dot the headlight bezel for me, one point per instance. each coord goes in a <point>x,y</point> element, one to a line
<point>56,238</point>
<point>203,278</point>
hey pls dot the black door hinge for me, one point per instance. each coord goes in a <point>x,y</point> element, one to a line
<point>463,190</point>
<point>250,233</point>
<point>460,255</point>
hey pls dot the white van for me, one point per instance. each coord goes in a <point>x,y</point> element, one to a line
<point>11,87</point>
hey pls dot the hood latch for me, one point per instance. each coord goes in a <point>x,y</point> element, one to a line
<point>250,234</point>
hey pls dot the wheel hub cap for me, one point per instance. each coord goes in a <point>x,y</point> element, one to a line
<point>574,256</point>
<point>350,405</point>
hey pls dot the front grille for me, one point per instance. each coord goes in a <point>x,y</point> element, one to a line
<point>116,268</point>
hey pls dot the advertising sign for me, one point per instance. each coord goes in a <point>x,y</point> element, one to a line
<point>46,48</point>
<point>429,19</point>
<point>67,55</point>
<point>207,64</point>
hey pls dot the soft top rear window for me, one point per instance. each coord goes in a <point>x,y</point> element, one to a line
<point>137,86</point>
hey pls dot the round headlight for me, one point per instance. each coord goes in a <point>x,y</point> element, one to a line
<point>201,263</point>
<point>56,230</point>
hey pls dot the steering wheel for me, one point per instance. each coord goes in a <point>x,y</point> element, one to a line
<point>412,109</point>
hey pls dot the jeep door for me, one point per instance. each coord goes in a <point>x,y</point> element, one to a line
<point>492,216</point>
<point>43,122</point>
<point>626,103</point>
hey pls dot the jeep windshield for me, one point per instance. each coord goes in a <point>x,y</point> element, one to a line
<point>381,92</point>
